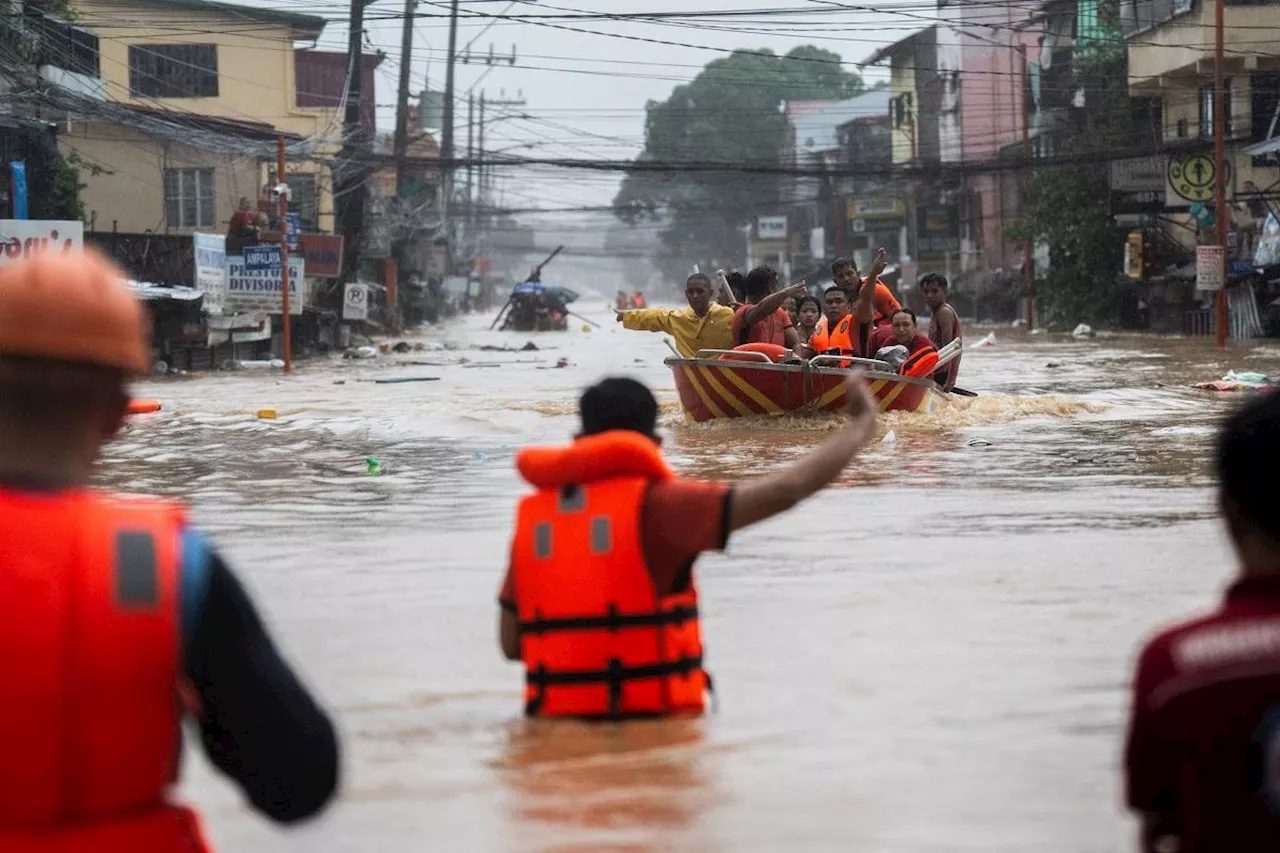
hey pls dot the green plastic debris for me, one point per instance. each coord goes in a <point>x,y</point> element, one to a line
<point>375,465</point>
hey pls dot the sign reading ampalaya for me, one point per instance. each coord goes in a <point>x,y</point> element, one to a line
<point>259,290</point>
<point>20,238</point>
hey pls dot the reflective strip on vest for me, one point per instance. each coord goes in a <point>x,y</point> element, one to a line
<point>137,582</point>
<point>601,535</point>
<point>542,540</point>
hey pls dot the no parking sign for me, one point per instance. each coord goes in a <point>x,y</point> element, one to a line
<point>355,302</point>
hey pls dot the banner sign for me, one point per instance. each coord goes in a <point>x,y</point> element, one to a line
<point>22,237</point>
<point>211,269</point>
<point>323,252</point>
<point>259,289</point>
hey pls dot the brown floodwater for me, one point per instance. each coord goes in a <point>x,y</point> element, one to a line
<point>932,655</point>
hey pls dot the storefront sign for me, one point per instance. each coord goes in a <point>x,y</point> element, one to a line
<point>937,232</point>
<point>771,228</point>
<point>1138,184</point>
<point>323,252</point>
<point>260,289</point>
<point>873,207</point>
<point>20,238</point>
<point>1192,178</point>
<point>211,269</point>
<point>1209,267</point>
<point>262,259</point>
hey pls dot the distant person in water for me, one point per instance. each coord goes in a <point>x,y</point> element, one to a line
<point>703,325</point>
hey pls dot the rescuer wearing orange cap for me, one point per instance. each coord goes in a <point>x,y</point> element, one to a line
<point>112,608</point>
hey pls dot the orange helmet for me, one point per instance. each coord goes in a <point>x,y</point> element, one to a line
<point>73,307</point>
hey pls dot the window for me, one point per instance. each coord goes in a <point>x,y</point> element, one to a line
<point>173,71</point>
<point>188,198</point>
<point>1206,109</point>
<point>65,46</point>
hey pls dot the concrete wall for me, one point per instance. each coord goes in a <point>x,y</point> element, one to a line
<point>1187,40</point>
<point>131,194</point>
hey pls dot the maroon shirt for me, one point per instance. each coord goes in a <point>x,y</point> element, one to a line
<point>1204,735</point>
<point>946,377</point>
<point>883,336</point>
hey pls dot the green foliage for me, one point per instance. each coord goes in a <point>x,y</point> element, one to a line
<point>53,183</point>
<point>1068,207</point>
<point>730,113</point>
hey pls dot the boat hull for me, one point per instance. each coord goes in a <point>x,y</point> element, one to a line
<point>711,389</point>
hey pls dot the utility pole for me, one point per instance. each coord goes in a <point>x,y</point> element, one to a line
<point>1028,261</point>
<point>471,156</point>
<point>480,170</point>
<point>286,333</point>
<point>486,175</point>
<point>398,260</point>
<point>349,187</point>
<point>1220,167</point>
<point>446,141</point>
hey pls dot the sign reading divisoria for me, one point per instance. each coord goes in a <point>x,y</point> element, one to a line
<point>259,289</point>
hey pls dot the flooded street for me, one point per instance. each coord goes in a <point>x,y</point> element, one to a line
<point>931,656</point>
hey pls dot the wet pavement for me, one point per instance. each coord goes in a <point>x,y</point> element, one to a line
<point>930,656</point>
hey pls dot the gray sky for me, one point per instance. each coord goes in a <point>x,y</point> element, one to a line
<point>586,90</point>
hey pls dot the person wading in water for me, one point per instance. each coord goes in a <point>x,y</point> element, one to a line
<point>116,614</point>
<point>600,601</point>
<point>1202,762</point>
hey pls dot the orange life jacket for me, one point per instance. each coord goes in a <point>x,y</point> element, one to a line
<point>920,363</point>
<point>596,639</point>
<point>89,637</point>
<point>638,301</point>
<point>842,341</point>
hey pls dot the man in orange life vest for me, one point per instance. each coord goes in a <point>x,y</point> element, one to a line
<point>112,609</point>
<point>1203,755</point>
<point>844,275</point>
<point>599,601</point>
<point>845,331</point>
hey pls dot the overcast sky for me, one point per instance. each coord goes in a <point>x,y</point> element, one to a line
<point>585,88</point>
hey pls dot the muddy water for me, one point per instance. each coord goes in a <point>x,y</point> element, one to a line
<point>931,656</point>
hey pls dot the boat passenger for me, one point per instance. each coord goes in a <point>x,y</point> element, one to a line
<point>638,301</point>
<point>702,325</point>
<point>600,600</point>
<point>807,314</point>
<point>844,273</point>
<point>852,326</point>
<point>1204,731</point>
<point>903,331</point>
<point>944,325</point>
<point>789,306</point>
<point>119,617</point>
<point>761,320</point>
<point>737,290</point>
<point>621,302</point>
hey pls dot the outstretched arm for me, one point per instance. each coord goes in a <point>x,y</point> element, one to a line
<point>865,310</point>
<point>258,723</point>
<point>771,303</point>
<point>646,319</point>
<point>763,497</point>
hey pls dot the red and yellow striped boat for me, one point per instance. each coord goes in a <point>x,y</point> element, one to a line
<point>711,388</point>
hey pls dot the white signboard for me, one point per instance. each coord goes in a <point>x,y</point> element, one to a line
<point>259,290</point>
<point>355,302</point>
<point>211,269</point>
<point>818,242</point>
<point>771,228</point>
<point>22,237</point>
<point>1209,267</point>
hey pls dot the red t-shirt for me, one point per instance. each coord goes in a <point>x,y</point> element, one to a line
<point>1204,733</point>
<point>770,330</point>
<point>680,520</point>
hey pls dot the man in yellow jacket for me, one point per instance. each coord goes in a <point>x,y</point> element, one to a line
<point>703,325</point>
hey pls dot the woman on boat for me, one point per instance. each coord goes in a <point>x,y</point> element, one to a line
<point>806,318</point>
<point>903,330</point>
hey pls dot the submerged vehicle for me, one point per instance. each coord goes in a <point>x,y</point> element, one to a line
<point>534,307</point>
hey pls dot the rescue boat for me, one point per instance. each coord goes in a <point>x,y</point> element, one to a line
<point>712,387</point>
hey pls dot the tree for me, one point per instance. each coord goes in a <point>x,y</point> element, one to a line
<point>730,113</point>
<point>1068,207</point>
